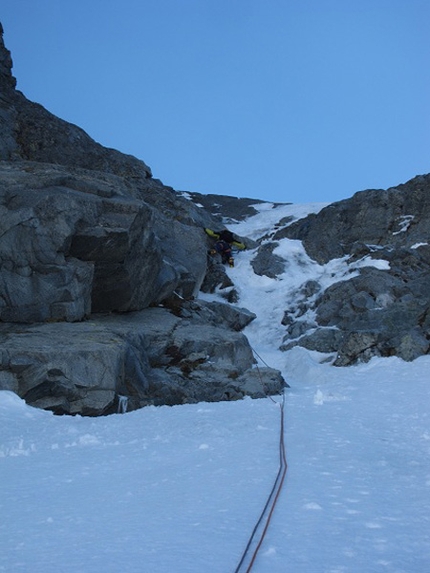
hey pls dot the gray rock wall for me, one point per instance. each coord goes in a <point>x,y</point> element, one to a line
<point>148,357</point>
<point>66,251</point>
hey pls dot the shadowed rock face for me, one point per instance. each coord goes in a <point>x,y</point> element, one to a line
<point>74,241</point>
<point>71,243</point>
<point>86,230</point>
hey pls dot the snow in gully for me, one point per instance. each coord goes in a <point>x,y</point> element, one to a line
<point>179,489</point>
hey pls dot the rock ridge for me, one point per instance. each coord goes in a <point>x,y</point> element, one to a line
<point>385,310</point>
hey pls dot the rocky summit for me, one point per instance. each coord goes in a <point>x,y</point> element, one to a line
<point>102,266</point>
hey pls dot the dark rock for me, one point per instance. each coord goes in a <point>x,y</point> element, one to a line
<point>297,328</point>
<point>358,346</point>
<point>234,317</point>
<point>150,357</point>
<point>411,345</point>
<point>216,277</point>
<point>399,216</point>
<point>224,208</point>
<point>310,288</point>
<point>377,313</point>
<point>6,78</point>
<point>8,144</point>
<point>326,340</point>
<point>266,263</point>
<point>262,382</point>
<point>48,274</point>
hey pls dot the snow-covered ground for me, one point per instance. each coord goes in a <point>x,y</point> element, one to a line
<point>179,489</point>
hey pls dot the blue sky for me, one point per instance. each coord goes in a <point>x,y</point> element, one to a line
<point>282,100</point>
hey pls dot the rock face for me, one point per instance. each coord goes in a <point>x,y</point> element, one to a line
<point>223,207</point>
<point>86,231</point>
<point>396,217</point>
<point>123,362</point>
<point>75,241</point>
<point>384,311</point>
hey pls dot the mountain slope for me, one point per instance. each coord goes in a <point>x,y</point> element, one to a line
<point>180,488</point>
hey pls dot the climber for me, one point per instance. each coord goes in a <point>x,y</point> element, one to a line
<point>225,240</point>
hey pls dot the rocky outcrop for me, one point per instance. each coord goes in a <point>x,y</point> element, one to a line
<point>266,262</point>
<point>385,310</point>
<point>114,363</point>
<point>86,231</point>
<point>73,242</point>
<point>224,208</point>
<point>396,217</point>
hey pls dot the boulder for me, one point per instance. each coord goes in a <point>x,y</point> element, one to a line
<point>266,263</point>
<point>326,340</point>
<point>153,356</point>
<point>66,251</point>
<point>232,316</point>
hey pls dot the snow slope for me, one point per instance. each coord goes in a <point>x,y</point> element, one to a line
<point>179,489</point>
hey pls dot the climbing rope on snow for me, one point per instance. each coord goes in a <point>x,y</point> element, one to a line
<point>260,529</point>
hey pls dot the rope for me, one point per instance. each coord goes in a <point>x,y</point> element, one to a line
<point>259,374</point>
<point>263,521</point>
<point>266,515</point>
<point>258,356</point>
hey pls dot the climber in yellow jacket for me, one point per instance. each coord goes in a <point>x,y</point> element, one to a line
<point>224,241</point>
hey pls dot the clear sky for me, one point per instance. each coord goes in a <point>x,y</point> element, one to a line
<point>282,100</point>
